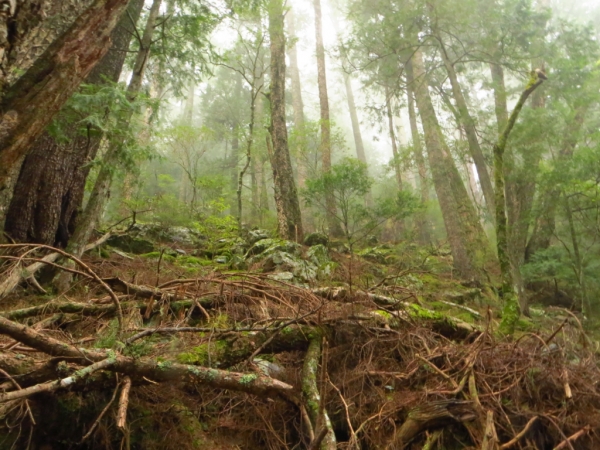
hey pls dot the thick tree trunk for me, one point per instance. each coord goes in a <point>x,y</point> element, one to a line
<point>32,102</point>
<point>330,206</point>
<point>50,188</point>
<point>469,126</point>
<point>289,219</point>
<point>422,223</point>
<point>297,103</point>
<point>468,243</point>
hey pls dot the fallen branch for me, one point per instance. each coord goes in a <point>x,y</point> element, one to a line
<point>519,436</point>
<point>574,436</point>
<point>123,404</point>
<point>77,377</point>
<point>158,371</point>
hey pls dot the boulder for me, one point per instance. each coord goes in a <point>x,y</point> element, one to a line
<point>316,239</point>
<point>267,246</point>
<point>131,244</point>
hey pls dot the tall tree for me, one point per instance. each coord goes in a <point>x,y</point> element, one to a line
<point>325,148</point>
<point>469,245</point>
<point>297,102</point>
<point>289,219</point>
<point>31,103</point>
<point>423,224</point>
<point>50,187</point>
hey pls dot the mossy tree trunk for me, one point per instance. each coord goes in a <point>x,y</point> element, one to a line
<point>512,309</point>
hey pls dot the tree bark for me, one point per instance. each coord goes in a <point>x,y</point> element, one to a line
<point>50,187</point>
<point>289,218</point>
<point>468,243</point>
<point>32,102</point>
<point>330,206</point>
<point>101,190</point>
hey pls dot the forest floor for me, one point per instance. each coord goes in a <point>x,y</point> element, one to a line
<point>183,342</point>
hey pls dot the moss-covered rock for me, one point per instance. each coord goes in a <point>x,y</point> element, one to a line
<point>316,239</point>
<point>266,247</point>
<point>131,244</point>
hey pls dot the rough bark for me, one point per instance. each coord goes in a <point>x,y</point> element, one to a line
<point>101,190</point>
<point>325,147</point>
<point>423,225</point>
<point>511,311</point>
<point>289,219</point>
<point>468,243</point>
<point>26,32</point>
<point>469,126</point>
<point>32,102</point>
<point>50,188</point>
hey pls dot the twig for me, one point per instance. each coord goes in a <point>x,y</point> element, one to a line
<point>433,366</point>
<point>574,436</point>
<point>101,415</point>
<point>12,380</point>
<point>123,404</point>
<point>520,436</point>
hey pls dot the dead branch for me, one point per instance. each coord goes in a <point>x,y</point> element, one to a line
<point>123,403</point>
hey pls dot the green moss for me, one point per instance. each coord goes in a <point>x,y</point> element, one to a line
<point>193,261</point>
<point>156,255</point>
<point>419,312</point>
<point>248,378</point>
<point>204,353</point>
<point>108,336</point>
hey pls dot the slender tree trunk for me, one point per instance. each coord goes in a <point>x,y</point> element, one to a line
<point>500,107</point>
<point>297,103</point>
<point>469,126</point>
<point>330,206</point>
<point>392,133</point>
<point>423,225</point>
<point>289,219</point>
<point>32,102</point>
<point>50,187</point>
<point>512,309</point>
<point>188,111</point>
<point>469,245</point>
<point>578,267</point>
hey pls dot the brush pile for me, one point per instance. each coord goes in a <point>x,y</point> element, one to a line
<point>143,357</point>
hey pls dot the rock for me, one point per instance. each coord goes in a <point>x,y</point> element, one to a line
<point>256,235</point>
<point>372,240</point>
<point>180,251</point>
<point>267,246</point>
<point>131,244</point>
<point>282,276</point>
<point>221,259</point>
<point>316,239</point>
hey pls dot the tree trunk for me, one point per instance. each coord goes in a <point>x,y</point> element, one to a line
<point>500,107</point>
<point>32,102</point>
<point>297,103</point>
<point>289,219</point>
<point>50,187</point>
<point>511,311</point>
<point>469,126</point>
<point>330,206</point>
<point>395,155</point>
<point>468,243</point>
<point>423,224</point>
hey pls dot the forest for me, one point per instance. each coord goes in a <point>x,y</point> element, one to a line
<point>300,224</point>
